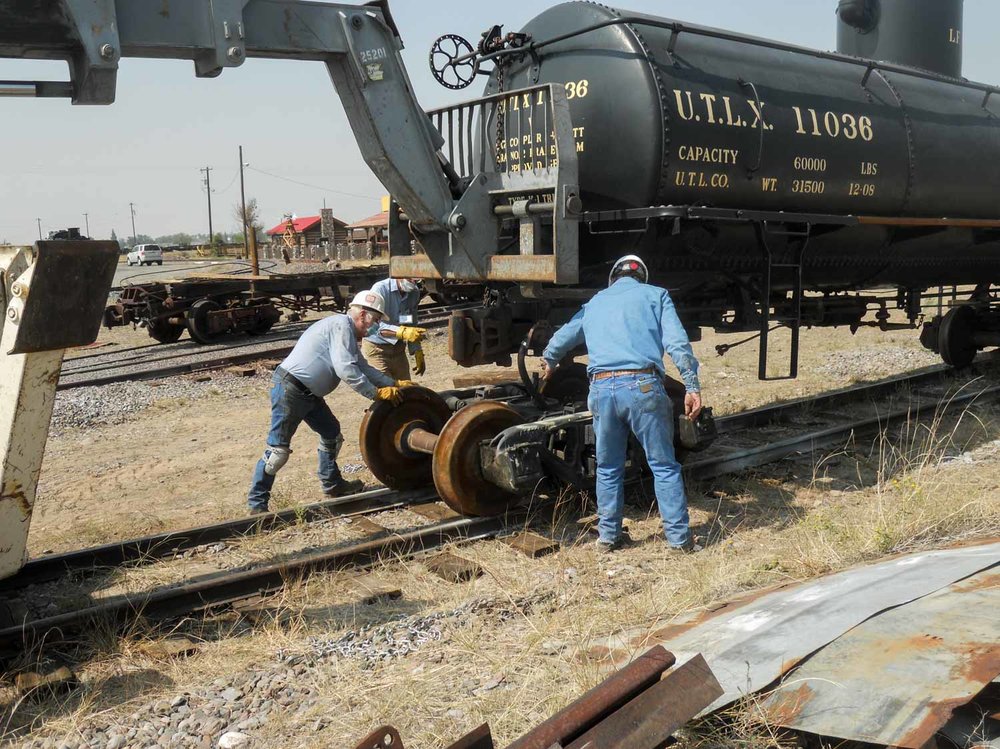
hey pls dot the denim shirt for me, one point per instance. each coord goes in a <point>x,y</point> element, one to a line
<point>328,353</point>
<point>397,303</point>
<point>629,325</point>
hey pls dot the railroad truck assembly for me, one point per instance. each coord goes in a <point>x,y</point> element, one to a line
<point>765,184</point>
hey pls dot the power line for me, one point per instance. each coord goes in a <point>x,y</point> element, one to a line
<point>315,187</point>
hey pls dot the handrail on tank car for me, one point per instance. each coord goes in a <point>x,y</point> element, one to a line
<point>677,28</point>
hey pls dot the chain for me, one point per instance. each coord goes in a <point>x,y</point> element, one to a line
<point>501,114</point>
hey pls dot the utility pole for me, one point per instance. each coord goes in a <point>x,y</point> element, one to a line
<point>131,208</point>
<point>208,189</point>
<point>86,217</point>
<point>252,254</point>
<point>39,227</point>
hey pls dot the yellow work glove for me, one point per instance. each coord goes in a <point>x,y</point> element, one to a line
<point>410,334</point>
<point>419,365</point>
<point>390,394</point>
<point>405,384</point>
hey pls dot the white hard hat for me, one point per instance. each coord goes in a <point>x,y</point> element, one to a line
<point>629,264</point>
<point>370,300</point>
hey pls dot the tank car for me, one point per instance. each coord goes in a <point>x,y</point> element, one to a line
<point>765,184</point>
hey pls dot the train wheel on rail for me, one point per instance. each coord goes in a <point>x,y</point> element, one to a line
<point>164,331</point>
<point>197,320</point>
<point>956,336</point>
<point>384,430</point>
<point>458,477</point>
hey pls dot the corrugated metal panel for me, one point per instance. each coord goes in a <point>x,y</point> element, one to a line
<point>750,646</point>
<point>896,679</point>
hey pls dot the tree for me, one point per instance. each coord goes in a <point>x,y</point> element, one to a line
<point>252,215</point>
<point>114,238</point>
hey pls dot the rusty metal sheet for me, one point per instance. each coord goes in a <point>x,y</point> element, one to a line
<point>973,727</point>
<point>751,645</point>
<point>651,718</point>
<point>897,678</point>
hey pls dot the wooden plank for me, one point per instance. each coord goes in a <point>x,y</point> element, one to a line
<point>485,378</point>
<point>370,527</point>
<point>454,569</point>
<point>242,371</point>
<point>434,511</point>
<point>371,590</point>
<point>532,545</point>
<point>55,680</point>
<point>171,647</point>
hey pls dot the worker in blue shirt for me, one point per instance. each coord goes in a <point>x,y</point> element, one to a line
<point>627,328</point>
<point>326,354</point>
<point>383,349</point>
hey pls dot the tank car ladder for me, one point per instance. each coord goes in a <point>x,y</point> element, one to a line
<point>790,261</point>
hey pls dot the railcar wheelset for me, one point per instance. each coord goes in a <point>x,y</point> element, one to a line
<point>420,440</point>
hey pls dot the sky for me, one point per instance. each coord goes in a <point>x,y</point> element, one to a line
<point>60,161</point>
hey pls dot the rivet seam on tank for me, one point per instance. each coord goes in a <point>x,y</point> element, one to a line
<point>911,153</point>
<point>661,89</point>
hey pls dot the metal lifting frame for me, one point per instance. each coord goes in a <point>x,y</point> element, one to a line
<point>452,218</point>
<point>52,297</point>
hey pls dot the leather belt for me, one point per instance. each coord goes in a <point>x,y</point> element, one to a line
<point>286,375</point>
<point>617,372</point>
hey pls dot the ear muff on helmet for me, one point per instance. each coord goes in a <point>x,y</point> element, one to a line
<point>630,265</point>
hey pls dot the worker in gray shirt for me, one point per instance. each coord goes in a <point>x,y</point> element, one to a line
<point>326,354</point>
<point>384,349</point>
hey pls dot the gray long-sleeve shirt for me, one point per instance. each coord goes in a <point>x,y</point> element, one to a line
<point>328,353</point>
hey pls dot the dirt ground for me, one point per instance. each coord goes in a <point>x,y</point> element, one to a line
<point>517,655</point>
<point>185,463</point>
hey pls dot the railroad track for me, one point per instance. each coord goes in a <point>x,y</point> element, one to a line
<point>153,361</point>
<point>817,423</point>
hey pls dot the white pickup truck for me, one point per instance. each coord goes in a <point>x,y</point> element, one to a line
<point>145,254</point>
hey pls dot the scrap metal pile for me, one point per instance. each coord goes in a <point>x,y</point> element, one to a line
<point>903,653</point>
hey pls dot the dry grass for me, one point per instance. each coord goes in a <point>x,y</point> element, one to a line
<point>788,522</point>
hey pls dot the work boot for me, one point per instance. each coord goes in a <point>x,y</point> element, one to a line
<point>259,511</point>
<point>623,540</point>
<point>345,487</point>
<point>691,547</point>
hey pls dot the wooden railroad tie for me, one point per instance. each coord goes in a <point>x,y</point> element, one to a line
<point>453,568</point>
<point>532,545</point>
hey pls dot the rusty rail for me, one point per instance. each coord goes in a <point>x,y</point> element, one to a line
<point>637,707</point>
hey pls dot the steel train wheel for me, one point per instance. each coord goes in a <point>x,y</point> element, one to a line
<point>457,475</point>
<point>395,466</point>
<point>955,336</point>
<point>197,320</point>
<point>164,331</point>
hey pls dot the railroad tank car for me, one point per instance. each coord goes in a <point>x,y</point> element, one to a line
<point>727,121</point>
<point>884,169</point>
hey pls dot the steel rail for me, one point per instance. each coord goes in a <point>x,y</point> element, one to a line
<point>209,591</point>
<point>774,413</point>
<point>201,365</point>
<point>158,546</point>
<point>832,436</point>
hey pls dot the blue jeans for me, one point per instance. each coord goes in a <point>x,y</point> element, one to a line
<point>636,403</point>
<point>289,408</point>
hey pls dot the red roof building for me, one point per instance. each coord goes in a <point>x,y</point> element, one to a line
<point>299,225</point>
<point>309,231</point>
